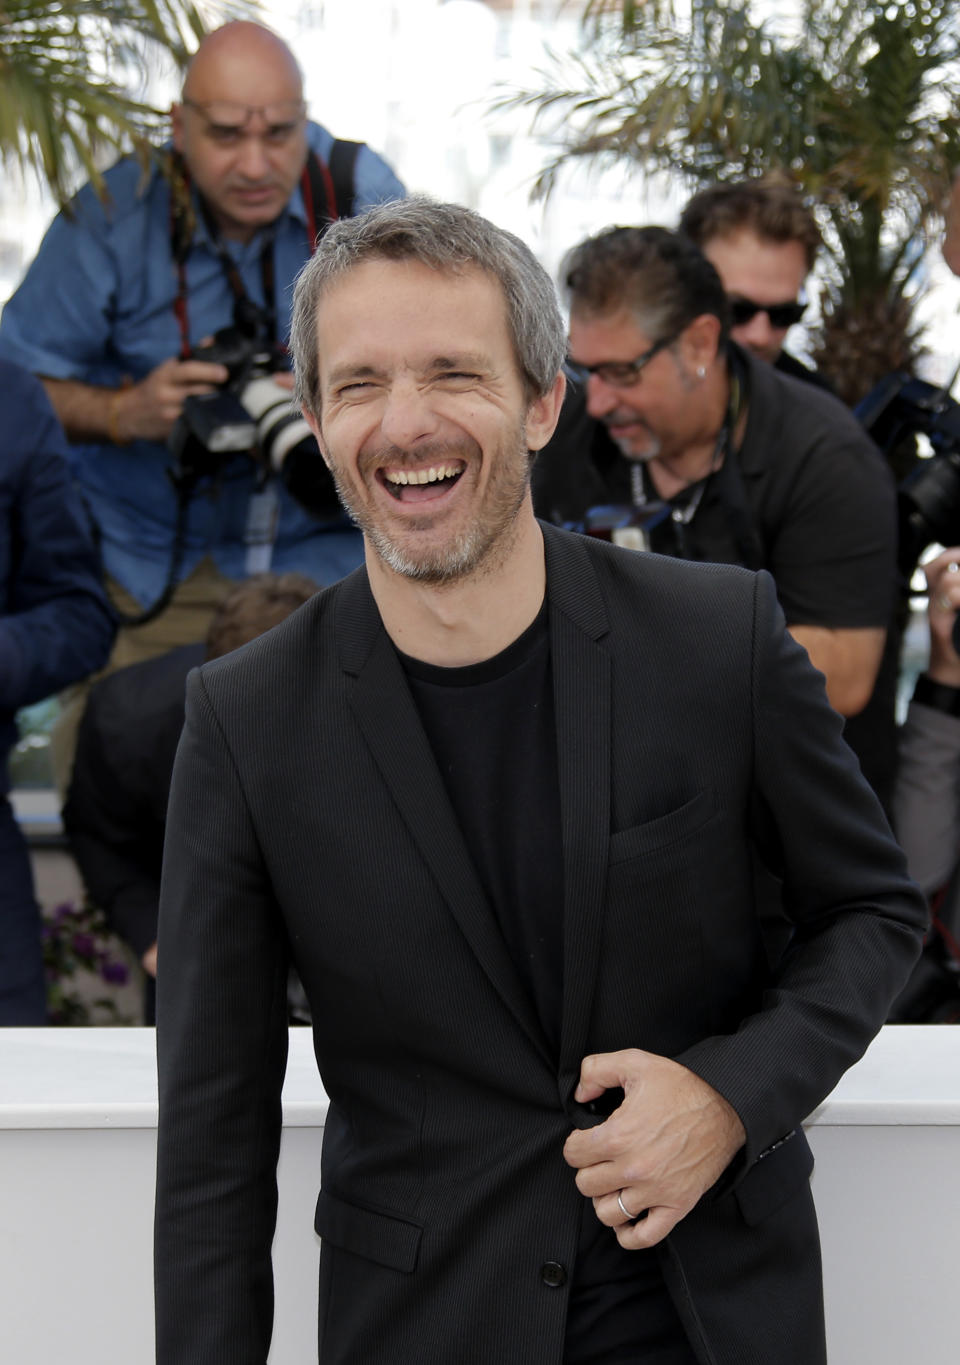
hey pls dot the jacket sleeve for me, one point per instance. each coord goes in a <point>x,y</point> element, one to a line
<point>56,626</point>
<point>221,1056</point>
<point>857,918</point>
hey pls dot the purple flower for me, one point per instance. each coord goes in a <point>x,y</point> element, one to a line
<point>83,945</point>
<point>114,972</point>
<point>63,911</point>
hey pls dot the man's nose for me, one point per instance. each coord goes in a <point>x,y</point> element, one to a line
<point>602,397</point>
<point>758,334</point>
<point>408,416</point>
<point>253,161</point>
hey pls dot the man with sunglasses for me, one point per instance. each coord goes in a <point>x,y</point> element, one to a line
<point>126,289</point>
<point>678,440</point>
<point>762,240</point>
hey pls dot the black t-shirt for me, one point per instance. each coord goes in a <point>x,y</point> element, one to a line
<point>492,730</point>
<point>819,495</point>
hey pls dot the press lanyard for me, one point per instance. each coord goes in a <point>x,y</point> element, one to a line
<point>682,513</point>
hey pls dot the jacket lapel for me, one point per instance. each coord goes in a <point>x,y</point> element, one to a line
<point>388,718</point>
<point>582,691</point>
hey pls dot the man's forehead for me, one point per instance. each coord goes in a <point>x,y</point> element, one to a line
<point>382,281</point>
<point>749,253</point>
<point>618,330</point>
<point>385,314</point>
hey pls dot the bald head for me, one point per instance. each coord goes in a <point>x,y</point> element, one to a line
<point>237,53</point>
<point>241,126</point>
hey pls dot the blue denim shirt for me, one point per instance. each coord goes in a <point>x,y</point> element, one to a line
<point>97,305</point>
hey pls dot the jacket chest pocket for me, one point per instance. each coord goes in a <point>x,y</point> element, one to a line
<point>674,827</point>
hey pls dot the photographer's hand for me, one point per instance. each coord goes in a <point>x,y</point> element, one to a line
<point>144,411</point>
<point>943,582</point>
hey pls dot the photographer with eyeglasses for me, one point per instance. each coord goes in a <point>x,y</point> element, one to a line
<point>677,439</point>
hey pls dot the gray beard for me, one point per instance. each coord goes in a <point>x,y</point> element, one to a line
<point>479,549</point>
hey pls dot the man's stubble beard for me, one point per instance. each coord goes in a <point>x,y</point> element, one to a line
<point>476,549</point>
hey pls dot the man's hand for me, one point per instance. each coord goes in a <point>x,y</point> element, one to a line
<point>145,411</point>
<point>943,582</point>
<point>148,410</point>
<point>665,1145</point>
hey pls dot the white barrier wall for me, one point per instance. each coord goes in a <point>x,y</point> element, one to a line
<point>78,1145</point>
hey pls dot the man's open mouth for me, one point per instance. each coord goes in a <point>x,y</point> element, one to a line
<point>419,485</point>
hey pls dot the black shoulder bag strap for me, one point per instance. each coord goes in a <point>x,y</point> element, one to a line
<point>343,159</point>
<point>329,190</point>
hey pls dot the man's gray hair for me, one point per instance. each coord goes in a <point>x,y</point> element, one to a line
<point>449,239</point>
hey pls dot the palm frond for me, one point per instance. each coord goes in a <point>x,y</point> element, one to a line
<point>74,79</point>
<point>857,103</point>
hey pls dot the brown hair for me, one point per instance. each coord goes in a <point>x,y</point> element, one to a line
<point>771,207</point>
<point>262,601</point>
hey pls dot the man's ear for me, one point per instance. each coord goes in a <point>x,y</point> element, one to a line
<point>314,424</point>
<point>176,125</point>
<point>544,413</point>
<point>700,342</point>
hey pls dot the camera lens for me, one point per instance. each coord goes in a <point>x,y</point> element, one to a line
<point>280,427</point>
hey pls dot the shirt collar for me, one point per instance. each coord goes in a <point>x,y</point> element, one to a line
<point>295,211</point>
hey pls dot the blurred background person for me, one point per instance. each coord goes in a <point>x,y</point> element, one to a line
<point>116,314</point>
<point>116,808</point>
<point>678,440</point>
<point>762,240</point>
<point>55,627</point>
<point>926,806</point>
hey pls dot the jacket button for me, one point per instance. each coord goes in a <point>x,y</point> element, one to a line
<point>553,1274</point>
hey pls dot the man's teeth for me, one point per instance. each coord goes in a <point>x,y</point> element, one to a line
<point>431,475</point>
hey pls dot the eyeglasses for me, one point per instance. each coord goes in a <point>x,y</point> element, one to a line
<point>621,374</point>
<point>226,120</point>
<point>781,315</point>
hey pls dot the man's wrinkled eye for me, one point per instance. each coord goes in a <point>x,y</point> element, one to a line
<point>224,133</point>
<point>281,133</point>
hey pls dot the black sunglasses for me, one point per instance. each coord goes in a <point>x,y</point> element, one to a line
<point>744,310</point>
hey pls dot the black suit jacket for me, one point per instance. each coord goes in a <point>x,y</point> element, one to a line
<point>308,817</point>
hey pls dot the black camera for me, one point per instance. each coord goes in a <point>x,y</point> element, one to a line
<point>929,497</point>
<point>251,414</point>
